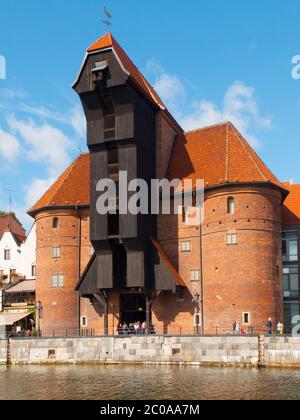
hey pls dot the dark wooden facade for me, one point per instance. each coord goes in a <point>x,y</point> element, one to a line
<point>121,125</point>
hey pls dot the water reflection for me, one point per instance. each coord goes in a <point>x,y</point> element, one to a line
<point>143,382</point>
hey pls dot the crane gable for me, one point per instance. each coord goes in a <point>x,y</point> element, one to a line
<point>113,75</point>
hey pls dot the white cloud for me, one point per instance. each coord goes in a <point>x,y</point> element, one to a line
<point>36,189</point>
<point>9,146</point>
<point>78,121</point>
<point>43,143</point>
<point>44,112</point>
<point>40,134</point>
<point>169,86</point>
<point>239,106</point>
<point>171,90</point>
<point>13,94</point>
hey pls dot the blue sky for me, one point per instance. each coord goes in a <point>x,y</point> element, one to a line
<point>211,60</point>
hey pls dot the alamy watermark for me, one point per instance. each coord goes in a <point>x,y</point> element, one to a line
<point>2,68</point>
<point>296,326</point>
<point>296,68</point>
<point>157,197</point>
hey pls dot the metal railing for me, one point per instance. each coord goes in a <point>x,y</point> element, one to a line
<point>151,331</point>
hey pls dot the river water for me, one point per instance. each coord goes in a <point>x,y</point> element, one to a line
<point>146,382</point>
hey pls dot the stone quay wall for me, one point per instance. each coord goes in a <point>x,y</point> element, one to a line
<point>3,351</point>
<point>282,351</point>
<point>227,351</point>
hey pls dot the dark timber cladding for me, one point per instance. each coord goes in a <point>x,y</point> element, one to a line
<point>121,126</point>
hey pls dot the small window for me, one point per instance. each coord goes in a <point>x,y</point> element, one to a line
<point>231,239</point>
<point>7,254</point>
<point>33,270</point>
<point>57,280</point>
<point>109,121</point>
<point>195,275</point>
<point>84,321</point>
<point>186,246</point>
<point>113,155</point>
<point>55,223</point>
<point>230,205</point>
<point>246,318</point>
<point>290,282</point>
<point>56,252</point>
<point>290,246</point>
<point>113,224</point>
<point>185,215</point>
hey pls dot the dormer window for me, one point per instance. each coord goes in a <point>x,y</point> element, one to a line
<point>100,72</point>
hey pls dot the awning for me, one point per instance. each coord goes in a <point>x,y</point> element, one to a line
<point>11,319</point>
<point>22,287</point>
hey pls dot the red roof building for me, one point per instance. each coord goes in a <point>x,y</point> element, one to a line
<point>159,267</point>
<point>9,222</point>
<point>291,208</point>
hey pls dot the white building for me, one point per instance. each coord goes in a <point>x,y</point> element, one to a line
<point>17,256</point>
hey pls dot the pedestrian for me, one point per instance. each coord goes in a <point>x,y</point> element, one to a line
<point>125,329</point>
<point>139,328</point>
<point>144,327</point>
<point>280,328</point>
<point>237,329</point>
<point>131,329</point>
<point>269,326</point>
<point>234,327</point>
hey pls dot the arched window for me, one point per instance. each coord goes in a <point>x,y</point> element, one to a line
<point>230,205</point>
<point>55,223</point>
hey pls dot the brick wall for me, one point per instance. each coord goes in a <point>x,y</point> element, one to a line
<point>60,305</point>
<point>236,279</point>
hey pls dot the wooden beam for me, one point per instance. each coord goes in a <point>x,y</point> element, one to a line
<point>102,298</point>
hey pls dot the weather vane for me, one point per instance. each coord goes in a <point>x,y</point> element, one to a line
<point>108,16</point>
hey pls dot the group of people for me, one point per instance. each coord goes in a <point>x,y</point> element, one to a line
<point>137,328</point>
<point>270,327</point>
<point>238,330</point>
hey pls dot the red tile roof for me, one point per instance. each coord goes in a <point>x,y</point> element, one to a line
<point>291,208</point>
<point>72,187</point>
<point>108,41</point>
<point>219,155</point>
<point>12,224</point>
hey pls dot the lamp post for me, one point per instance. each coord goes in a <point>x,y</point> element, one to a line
<point>113,315</point>
<point>39,316</point>
<point>197,315</point>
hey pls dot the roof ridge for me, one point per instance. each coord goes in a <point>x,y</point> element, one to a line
<point>208,127</point>
<point>148,85</point>
<point>65,174</point>
<point>227,155</point>
<point>71,168</point>
<point>246,148</point>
